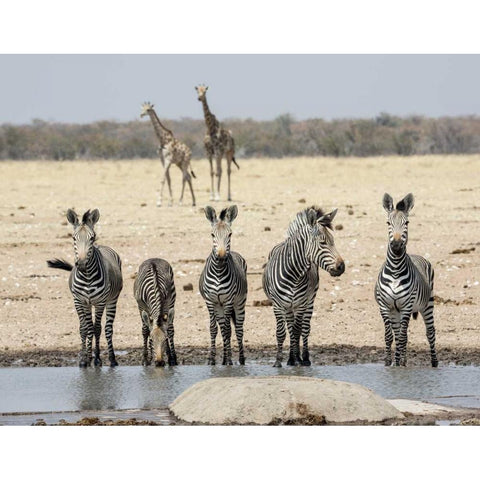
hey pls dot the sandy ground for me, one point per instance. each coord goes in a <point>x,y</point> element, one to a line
<point>37,318</point>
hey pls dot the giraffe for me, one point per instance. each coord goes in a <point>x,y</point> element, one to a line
<point>171,151</point>
<point>218,143</point>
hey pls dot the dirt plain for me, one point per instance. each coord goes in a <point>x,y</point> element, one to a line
<point>38,323</point>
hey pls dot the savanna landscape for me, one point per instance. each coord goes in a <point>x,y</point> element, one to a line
<point>38,322</point>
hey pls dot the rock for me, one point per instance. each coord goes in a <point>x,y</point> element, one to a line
<point>302,200</point>
<point>280,400</point>
<point>262,303</point>
<point>339,226</point>
<point>267,229</point>
<point>188,287</point>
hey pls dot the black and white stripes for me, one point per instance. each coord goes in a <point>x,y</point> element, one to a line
<point>290,278</point>
<point>223,285</point>
<point>95,280</point>
<point>404,286</point>
<point>154,290</point>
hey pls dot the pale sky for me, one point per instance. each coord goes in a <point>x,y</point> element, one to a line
<point>86,88</point>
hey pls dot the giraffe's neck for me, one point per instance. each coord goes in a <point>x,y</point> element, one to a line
<point>210,119</point>
<point>164,134</point>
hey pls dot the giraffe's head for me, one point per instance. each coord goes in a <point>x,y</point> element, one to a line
<point>83,236</point>
<point>321,243</point>
<point>221,229</point>
<point>397,221</point>
<point>146,108</point>
<point>201,91</point>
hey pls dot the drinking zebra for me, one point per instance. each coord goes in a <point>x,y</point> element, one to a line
<point>404,286</point>
<point>290,278</point>
<point>154,290</point>
<point>223,285</point>
<point>95,280</point>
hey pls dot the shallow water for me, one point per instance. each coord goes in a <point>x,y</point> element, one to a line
<point>72,389</point>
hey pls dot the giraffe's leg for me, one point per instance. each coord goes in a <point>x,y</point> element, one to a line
<point>219,176</point>
<point>169,182</point>
<point>229,171</point>
<point>213,333</point>
<point>98,331</point>
<point>212,174</point>
<point>427,315</point>
<point>189,180</point>
<point>111,310</point>
<point>162,183</point>
<point>280,333</point>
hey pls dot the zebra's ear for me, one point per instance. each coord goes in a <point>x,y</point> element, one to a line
<point>406,204</point>
<point>387,203</point>
<point>311,217</point>
<point>232,213</point>
<point>72,217</point>
<point>211,214</point>
<point>94,217</point>
<point>326,220</point>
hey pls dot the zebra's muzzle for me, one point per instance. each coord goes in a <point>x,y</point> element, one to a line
<point>338,270</point>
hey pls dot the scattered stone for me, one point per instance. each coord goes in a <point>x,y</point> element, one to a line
<point>188,287</point>
<point>262,303</point>
<point>350,212</point>
<point>267,229</point>
<point>280,400</point>
<point>302,200</point>
<point>143,204</point>
<point>463,250</point>
<point>339,226</point>
<point>21,207</point>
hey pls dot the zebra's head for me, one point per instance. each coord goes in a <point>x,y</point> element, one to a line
<point>397,221</point>
<point>221,229</point>
<point>321,244</point>
<point>146,108</point>
<point>83,236</point>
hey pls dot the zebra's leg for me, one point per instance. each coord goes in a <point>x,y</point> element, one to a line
<point>184,179</point>
<point>281,333</point>
<point>402,344</point>
<point>295,331</point>
<point>172,356</point>
<point>86,326</point>
<point>213,334</point>
<point>239,314</point>
<point>111,309</point>
<point>97,327</point>
<point>427,315</point>
<point>226,329</point>
<point>388,336</point>
<point>305,334</point>
<point>146,334</point>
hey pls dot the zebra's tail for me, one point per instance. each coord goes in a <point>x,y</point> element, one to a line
<point>62,264</point>
<point>415,315</point>
<point>235,162</point>
<point>192,173</point>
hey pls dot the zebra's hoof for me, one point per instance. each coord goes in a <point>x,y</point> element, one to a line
<point>83,364</point>
<point>159,363</point>
<point>434,363</point>
<point>211,361</point>
<point>113,363</point>
<point>277,364</point>
<point>97,362</point>
<point>241,361</point>
<point>388,363</point>
<point>306,363</point>
<point>292,363</point>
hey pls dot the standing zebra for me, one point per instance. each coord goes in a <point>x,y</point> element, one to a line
<point>154,290</point>
<point>290,278</point>
<point>404,286</point>
<point>223,285</point>
<point>95,280</point>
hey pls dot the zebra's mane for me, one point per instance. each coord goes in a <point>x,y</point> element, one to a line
<point>301,220</point>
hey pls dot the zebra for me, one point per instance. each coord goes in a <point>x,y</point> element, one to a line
<point>223,285</point>
<point>290,278</point>
<point>154,291</point>
<point>95,280</point>
<point>404,285</point>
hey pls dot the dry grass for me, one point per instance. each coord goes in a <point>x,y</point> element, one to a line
<point>36,308</point>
